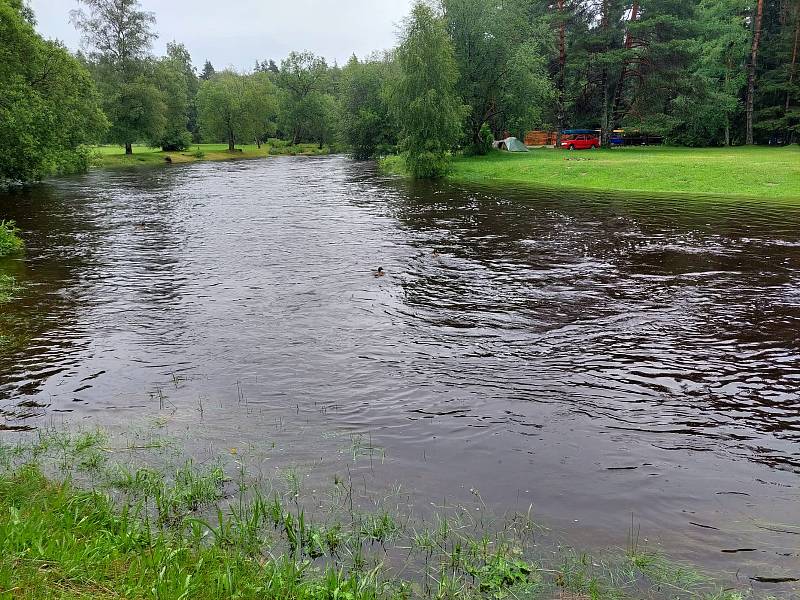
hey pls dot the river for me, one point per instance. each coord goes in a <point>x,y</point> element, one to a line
<point>605,359</point>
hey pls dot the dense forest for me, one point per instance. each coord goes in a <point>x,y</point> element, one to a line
<point>697,72</point>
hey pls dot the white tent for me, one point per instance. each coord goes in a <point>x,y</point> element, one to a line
<point>512,144</point>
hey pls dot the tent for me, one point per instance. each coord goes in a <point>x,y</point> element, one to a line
<point>512,144</point>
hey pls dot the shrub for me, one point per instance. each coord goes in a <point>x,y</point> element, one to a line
<point>483,145</point>
<point>176,141</point>
<point>10,242</point>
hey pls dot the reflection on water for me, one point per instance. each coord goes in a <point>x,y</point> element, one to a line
<point>593,355</point>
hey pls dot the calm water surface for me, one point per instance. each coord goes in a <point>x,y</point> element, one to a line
<point>601,358</point>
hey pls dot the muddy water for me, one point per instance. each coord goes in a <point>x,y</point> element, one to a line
<point>604,359</point>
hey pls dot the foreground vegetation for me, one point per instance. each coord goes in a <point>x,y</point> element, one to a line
<point>76,523</point>
<point>732,172</point>
<point>115,156</point>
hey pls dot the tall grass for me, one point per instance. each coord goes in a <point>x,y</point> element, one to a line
<point>76,523</point>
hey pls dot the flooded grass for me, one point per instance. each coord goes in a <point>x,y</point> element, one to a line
<point>114,156</point>
<point>76,521</point>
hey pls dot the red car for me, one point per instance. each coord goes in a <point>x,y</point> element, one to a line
<point>582,141</point>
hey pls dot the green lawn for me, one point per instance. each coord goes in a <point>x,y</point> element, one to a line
<point>757,172</point>
<point>114,156</point>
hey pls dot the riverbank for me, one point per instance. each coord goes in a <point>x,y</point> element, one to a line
<point>107,157</point>
<point>77,520</point>
<point>751,172</point>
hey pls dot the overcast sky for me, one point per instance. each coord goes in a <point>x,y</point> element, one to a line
<point>238,32</point>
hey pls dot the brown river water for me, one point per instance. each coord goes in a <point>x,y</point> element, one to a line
<point>605,359</point>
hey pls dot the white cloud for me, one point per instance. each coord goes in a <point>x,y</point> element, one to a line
<point>239,32</point>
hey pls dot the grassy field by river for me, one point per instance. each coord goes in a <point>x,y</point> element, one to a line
<point>83,515</point>
<point>756,172</point>
<point>114,156</point>
<point>745,171</point>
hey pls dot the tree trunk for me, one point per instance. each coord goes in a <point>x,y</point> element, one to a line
<point>604,138</point>
<point>793,66</point>
<point>231,143</point>
<point>128,148</point>
<point>727,116</point>
<point>623,74</point>
<point>751,71</point>
<point>562,63</point>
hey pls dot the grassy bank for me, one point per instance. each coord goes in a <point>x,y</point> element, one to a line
<point>114,156</point>
<point>755,172</point>
<point>84,516</point>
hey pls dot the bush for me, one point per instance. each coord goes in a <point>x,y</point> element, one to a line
<point>429,162</point>
<point>10,242</point>
<point>77,161</point>
<point>484,143</point>
<point>176,141</point>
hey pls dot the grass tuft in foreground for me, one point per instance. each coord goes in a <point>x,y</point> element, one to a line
<point>76,524</point>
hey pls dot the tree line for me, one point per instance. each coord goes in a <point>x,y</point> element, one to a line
<point>697,72</point>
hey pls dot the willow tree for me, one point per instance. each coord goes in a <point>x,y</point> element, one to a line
<point>234,108</point>
<point>424,100</point>
<point>304,82</point>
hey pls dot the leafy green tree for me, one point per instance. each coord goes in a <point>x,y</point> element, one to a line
<point>234,107</point>
<point>424,100</point>
<point>304,112</point>
<point>176,79</point>
<point>120,36</point>
<point>49,109</point>
<point>503,77</point>
<point>365,121</point>
<point>261,99</point>
<point>136,111</point>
